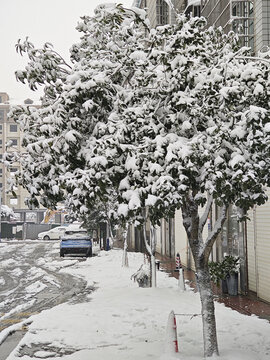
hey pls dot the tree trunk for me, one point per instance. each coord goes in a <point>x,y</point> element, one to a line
<point>111,237</point>
<point>194,225</point>
<point>207,310</point>
<point>153,271</point>
<point>151,248</point>
<point>125,256</point>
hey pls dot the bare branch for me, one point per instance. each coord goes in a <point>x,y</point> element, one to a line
<point>204,217</point>
<point>252,58</point>
<point>207,246</point>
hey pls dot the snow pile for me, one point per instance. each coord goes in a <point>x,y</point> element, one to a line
<point>123,321</point>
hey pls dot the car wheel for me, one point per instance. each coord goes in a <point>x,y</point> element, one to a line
<point>62,254</point>
<point>89,253</point>
<point>46,237</point>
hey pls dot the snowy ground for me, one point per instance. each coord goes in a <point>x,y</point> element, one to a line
<point>124,322</point>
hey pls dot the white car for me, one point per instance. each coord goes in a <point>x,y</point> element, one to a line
<point>53,234</point>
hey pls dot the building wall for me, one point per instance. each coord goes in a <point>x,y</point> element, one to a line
<point>9,131</point>
<point>227,13</point>
<point>262,24</point>
<point>236,15</point>
<point>217,12</point>
<point>230,14</point>
<point>155,7</point>
<point>181,242</point>
<point>258,248</point>
<point>251,260</point>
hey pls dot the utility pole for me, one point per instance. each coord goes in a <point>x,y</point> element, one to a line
<point>0,214</point>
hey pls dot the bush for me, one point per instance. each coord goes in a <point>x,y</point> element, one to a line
<point>220,270</point>
<point>231,264</point>
<point>142,276</point>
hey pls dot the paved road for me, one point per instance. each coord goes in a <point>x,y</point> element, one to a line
<point>31,281</point>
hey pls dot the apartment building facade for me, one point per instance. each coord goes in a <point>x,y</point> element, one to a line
<point>10,133</point>
<point>250,241</point>
<point>251,20</point>
<point>160,13</point>
<point>261,26</point>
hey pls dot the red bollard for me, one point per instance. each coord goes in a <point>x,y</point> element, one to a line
<point>177,261</point>
<point>181,280</point>
<point>172,343</point>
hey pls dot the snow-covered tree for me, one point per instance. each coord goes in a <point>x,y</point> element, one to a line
<point>100,213</point>
<point>78,99</point>
<point>6,211</point>
<point>172,118</point>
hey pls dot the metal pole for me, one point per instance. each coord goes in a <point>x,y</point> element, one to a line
<point>0,214</point>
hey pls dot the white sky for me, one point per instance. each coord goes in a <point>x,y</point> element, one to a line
<point>42,21</point>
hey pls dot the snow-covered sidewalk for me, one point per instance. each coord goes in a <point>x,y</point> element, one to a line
<point>121,321</point>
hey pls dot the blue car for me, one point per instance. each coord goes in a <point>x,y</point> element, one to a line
<point>76,242</point>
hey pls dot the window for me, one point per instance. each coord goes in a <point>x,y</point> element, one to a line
<point>197,11</point>
<point>143,4</point>
<point>1,128</point>
<point>13,201</point>
<point>14,142</point>
<point>1,185</point>
<point>1,142</point>
<point>1,99</point>
<point>13,169</point>
<point>243,22</point>
<point>162,12</point>
<point>13,128</point>
<point>242,9</point>
<point>2,115</point>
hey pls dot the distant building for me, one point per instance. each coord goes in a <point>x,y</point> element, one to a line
<point>10,133</point>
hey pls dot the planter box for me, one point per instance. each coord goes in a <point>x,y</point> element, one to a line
<point>232,284</point>
<point>224,286</point>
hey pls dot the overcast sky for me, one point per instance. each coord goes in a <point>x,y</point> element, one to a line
<point>42,21</point>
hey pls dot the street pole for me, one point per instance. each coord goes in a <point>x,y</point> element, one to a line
<point>0,214</point>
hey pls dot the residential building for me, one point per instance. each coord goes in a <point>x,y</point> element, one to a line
<point>250,241</point>
<point>236,15</point>
<point>251,20</point>
<point>258,250</point>
<point>261,25</point>
<point>11,133</point>
<point>160,13</point>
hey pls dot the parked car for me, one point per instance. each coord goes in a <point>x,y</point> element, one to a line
<point>76,241</point>
<point>75,228</point>
<point>53,234</point>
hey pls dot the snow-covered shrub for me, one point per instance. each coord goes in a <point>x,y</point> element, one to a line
<point>142,276</point>
<point>6,211</point>
<point>220,270</point>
